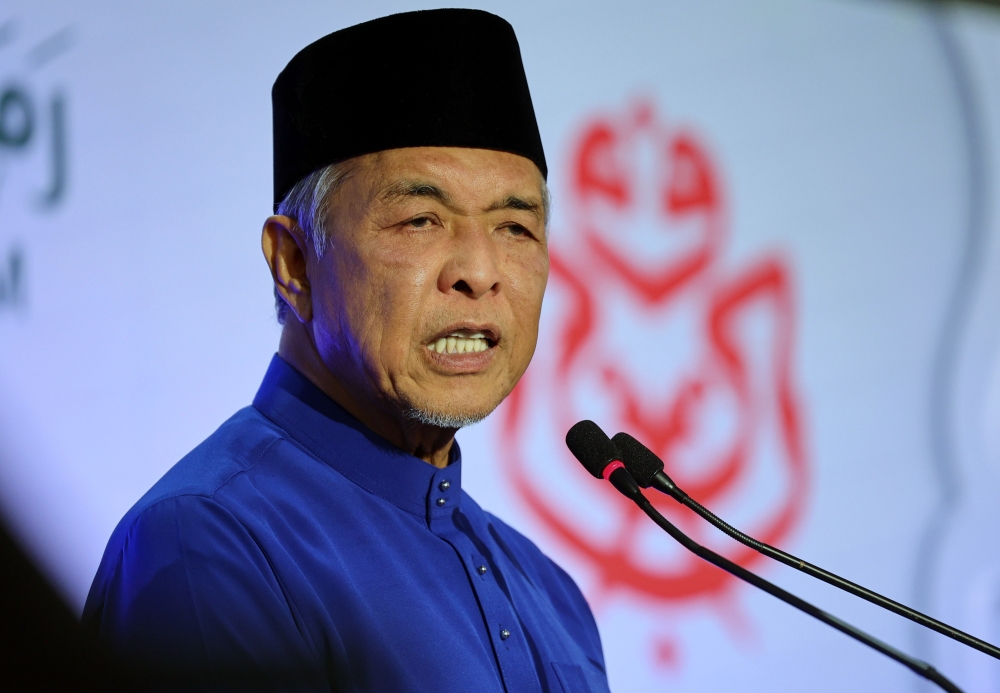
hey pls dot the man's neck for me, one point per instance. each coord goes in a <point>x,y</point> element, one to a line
<point>428,443</point>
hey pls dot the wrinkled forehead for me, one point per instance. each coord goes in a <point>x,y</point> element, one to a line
<point>455,177</point>
<point>472,166</point>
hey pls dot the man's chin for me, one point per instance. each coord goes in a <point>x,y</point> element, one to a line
<point>445,419</point>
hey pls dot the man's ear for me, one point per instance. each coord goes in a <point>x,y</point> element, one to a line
<point>285,248</point>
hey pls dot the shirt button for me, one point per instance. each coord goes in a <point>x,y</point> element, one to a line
<point>444,485</point>
<point>481,570</point>
<point>440,502</point>
<point>504,634</point>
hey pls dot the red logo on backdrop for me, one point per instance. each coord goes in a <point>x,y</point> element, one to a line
<point>658,323</point>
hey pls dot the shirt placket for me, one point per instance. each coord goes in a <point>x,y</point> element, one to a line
<point>510,646</point>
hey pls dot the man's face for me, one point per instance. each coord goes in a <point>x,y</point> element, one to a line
<point>426,302</point>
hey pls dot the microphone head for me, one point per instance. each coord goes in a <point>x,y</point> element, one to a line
<point>591,446</point>
<point>639,460</point>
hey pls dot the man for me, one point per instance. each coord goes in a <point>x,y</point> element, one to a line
<point>320,539</point>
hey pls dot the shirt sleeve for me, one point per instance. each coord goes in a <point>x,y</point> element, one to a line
<point>195,603</point>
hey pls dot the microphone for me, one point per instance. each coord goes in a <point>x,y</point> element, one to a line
<point>647,470</point>
<point>602,458</point>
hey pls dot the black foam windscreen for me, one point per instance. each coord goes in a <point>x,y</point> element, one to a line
<point>639,460</point>
<point>591,446</point>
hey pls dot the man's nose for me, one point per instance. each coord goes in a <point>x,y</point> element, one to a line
<point>474,266</point>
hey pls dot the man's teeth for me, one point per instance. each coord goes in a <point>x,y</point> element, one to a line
<point>456,343</point>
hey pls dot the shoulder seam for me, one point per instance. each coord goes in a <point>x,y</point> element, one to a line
<point>277,439</point>
<point>206,496</point>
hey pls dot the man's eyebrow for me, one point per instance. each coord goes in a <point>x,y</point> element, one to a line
<point>414,188</point>
<point>417,188</point>
<point>517,202</point>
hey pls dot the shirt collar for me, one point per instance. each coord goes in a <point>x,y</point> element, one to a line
<point>330,433</point>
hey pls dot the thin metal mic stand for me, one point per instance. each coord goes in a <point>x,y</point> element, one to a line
<point>647,469</point>
<point>623,481</point>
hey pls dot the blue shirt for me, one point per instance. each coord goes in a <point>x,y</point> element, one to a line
<point>297,550</point>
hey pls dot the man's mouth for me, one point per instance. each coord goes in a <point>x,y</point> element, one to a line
<point>461,342</point>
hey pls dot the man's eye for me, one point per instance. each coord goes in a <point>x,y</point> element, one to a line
<point>516,230</point>
<point>420,222</point>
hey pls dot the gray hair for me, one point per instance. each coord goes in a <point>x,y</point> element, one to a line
<point>306,204</point>
<point>442,420</point>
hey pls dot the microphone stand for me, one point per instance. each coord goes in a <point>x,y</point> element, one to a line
<point>624,482</point>
<point>663,483</point>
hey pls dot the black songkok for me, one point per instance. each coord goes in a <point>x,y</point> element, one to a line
<point>434,78</point>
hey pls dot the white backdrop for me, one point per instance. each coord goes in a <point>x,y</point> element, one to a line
<point>776,234</point>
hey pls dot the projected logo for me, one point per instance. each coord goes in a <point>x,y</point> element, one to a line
<point>33,160</point>
<point>659,324</point>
